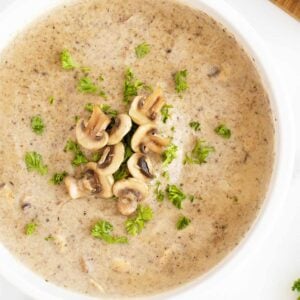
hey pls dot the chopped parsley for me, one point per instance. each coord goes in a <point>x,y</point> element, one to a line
<point>58,178</point>
<point>37,125</point>
<point>143,215</point>
<point>30,228</point>
<point>131,86</point>
<point>79,157</point>
<point>122,172</point>
<point>296,285</point>
<point>182,222</point>
<point>51,99</point>
<point>223,131</point>
<point>175,195</point>
<point>87,86</point>
<point>191,198</point>
<point>180,79</point>
<point>169,154</point>
<point>89,107</point>
<point>85,69</point>
<point>195,125</point>
<point>142,50</point>
<point>67,62</point>
<point>199,153</point>
<point>49,238</point>
<point>165,114</point>
<point>34,162</point>
<point>103,230</point>
<point>76,118</point>
<point>106,108</point>
<point>166,175</point>
<point>160,195</point>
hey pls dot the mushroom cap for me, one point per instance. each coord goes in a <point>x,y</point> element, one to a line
<point>111,159</point>
<point>131,188</point>
<point>145,139</point>
<point>140,167</point>
<point>121,127</point>
<point>146,109</point>
<point>73,188</point>
<point>126,206</point>
<point>91,134</point>
<point>97,182</point>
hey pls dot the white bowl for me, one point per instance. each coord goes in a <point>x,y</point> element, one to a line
<point>21,13</point>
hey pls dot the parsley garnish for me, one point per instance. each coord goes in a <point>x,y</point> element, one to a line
<point>135,225</point>
<point>296,285</point>
<point>37,125</point>
<point>86,85</point>
<point>131,86</point>
<point>175,195</point>
<point>182,222</point>
<point>34,162</point>
<point>180,81</point>
<point>79,157</point>
<point>199,153</point>
<point>67,61</point>
<point>89,107</point>
<point>58,178</point>
<point>160,195</point>
<point>103,230</point>
<point>191,198</point>
<point>142,50</point>
<point>165,114</point>
<point>121,173</point>
<point>169,154</point>
<point>30,228</point>
<point>195,125</point>
<point>51,99</point>
<point>223,131</point>
<point>108,110</point>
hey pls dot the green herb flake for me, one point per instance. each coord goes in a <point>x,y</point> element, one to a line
<point>223,131</point>
<point>166,175</point>
<point>106,108</point>
<point>131,86</point>
<point>76,118</point>
<point>67,62</point>
<point>49,238</point>
<point>199,153</point>
<point>37,125</point>
<point>142,50</point>
<point>165,114</point>
<point>51,99</point>
<point>180,79</point>
<point>296,285</point>
<point>34,162</point>
<point>182,222</point>
<point>169,154</point>
<point>96,157</point>
<point>103,230</point>
<point>191,198</point>
<point>136,224</point>
<point>101,77</point>
<point>30,228</point>
<point>89,107</point>
<point>87,86</point>
<point>160,195</point>
<point>175,195</point>
<point>79,157</point>
<point>195,125</point>
<point>58,178</point>
<point>85,69</point>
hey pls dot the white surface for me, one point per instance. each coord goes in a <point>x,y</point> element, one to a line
<point>272,270</point>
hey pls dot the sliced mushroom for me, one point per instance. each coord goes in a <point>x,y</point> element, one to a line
<point>140,167</point>
<point>91,134</point>
<point>129,192</point>
<point>145,139</point>
<point>145,109</point>
<point>111,159</point>
<point>92,182</point>
<point>120,128</point>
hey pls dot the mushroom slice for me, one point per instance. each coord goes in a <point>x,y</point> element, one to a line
<point>120,128</point>
<point>129,192</point>
<point>140,167</point>
<point>91,134</point>
<point>92,182</point>
<point>111,159</point>
<point>145,139</point>
<point>145,109</point>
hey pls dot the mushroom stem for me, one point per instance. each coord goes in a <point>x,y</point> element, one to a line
<point>97,122</point>
<point>154,102</point>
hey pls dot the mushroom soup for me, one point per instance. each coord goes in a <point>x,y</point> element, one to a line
<point>136,146</point>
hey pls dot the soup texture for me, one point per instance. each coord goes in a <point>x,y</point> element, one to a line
<point>223,192</point>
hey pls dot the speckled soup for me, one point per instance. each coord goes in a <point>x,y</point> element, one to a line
<point>229,188</point>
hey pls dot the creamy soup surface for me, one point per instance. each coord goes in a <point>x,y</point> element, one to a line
<point>228,189</point>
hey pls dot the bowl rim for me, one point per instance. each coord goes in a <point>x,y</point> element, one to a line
<point>20,13</point>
